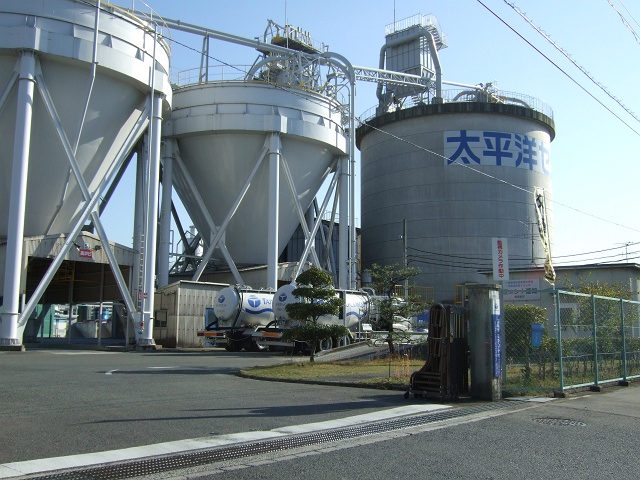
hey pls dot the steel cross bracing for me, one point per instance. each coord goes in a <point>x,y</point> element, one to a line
<point>392,78</point>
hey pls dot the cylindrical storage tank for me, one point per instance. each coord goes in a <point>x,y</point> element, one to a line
<point>222,129</point>
<point>459,174</point>
<point>356,307</point>
<point>241,307</point>
<point>61,34</point>
<point>283,297</point>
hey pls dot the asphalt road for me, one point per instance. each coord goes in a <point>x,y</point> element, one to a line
<point>597,440</point>
<point>61,402</point>
<point>57,402</point>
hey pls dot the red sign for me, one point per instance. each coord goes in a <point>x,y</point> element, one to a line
<point>86,253</point>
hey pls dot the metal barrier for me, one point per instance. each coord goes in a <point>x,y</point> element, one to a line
<point>445,374</point>
<point>569,340</point>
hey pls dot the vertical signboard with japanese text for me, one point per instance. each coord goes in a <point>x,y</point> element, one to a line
<point>500,255</point>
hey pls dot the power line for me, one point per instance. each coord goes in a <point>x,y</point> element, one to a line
<point>558,67</point>
<point>500,180</point>
<point>488,257</point>
<point>576,64</point>
<point>627,10</point>
<point>442,156</point>
<point>597,251</point>
<point>624,20</point>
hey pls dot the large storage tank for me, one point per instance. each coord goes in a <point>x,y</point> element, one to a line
<point>222,128</point>
<point>75,78</point>
<point>61,33</point>
<point>459,174</point>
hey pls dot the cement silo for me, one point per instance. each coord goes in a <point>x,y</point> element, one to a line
<point>76,79</point>
<point>444,174</point>
<point>222,130</point>
<point>253,153</point>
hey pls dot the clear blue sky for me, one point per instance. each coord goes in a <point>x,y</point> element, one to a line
<point>595,156</point>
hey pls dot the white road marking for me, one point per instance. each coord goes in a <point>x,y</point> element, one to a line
<point>110,372</point>
<point>81,352</point>
<point>16,469</point>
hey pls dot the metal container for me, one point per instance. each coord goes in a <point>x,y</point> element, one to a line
<point>61,33</point>
<point>459,174</point>
<point>222,128</point>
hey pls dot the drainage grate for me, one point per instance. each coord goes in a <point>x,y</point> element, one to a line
<point>167,463</point>
<point>562,422</point>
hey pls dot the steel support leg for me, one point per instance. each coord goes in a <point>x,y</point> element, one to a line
<point>164,240</point>
<point>9,335</point>
<point>138,223</point>
<point>274,211</point>
<point>146,334</point>
<point>343,227</point>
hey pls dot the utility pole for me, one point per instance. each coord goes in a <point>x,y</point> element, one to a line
<point>404,257</point>
<point>532,260</point>
<point>626,250</point>
<point>532,235</point>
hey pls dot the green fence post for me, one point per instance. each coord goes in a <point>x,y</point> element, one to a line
<point>559,337</point>
<point>624,381</point>
<point>595,387</point>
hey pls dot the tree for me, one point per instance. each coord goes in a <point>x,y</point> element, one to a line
<point>318,298</point>
<point>385,280</point>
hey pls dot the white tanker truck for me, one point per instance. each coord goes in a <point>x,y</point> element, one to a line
<point>255,319</point>
<point>352,315</point>
<point>239,312</point>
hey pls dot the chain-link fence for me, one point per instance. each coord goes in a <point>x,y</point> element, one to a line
<point>566,340</point>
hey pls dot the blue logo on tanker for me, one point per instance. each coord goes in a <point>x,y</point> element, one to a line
<point>221,299</point>
<point>254,302</point>
<point>282,297</point>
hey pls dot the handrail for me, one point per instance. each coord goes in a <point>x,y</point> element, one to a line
<point>140,15</point>
<point>470,95</point>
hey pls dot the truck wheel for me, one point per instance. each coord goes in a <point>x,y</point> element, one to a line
<point>257,347</point>
<point>299,347</point>
<point>325,344</point>
<point>233,346</point>
<point>247,344</point>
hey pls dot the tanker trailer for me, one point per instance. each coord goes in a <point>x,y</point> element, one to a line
<point>239,312</point>
<point>354,312</point>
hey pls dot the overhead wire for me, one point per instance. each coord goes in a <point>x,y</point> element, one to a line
<point>361,122</point>
<point>624,20</point>
<point>576,64</point>
<point>562,259</point>
<point>600,251</point>
<point>555,202</point>
<point>627,10</point>
<point>500,180</point>
<point>557,66</point>
<point>357,119</point>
